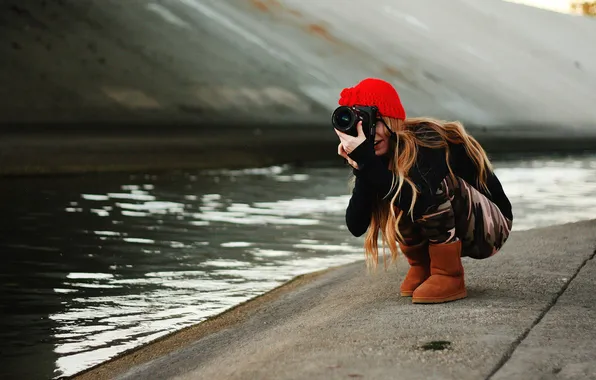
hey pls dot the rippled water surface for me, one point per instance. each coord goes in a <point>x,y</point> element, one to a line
<point>97,265</point>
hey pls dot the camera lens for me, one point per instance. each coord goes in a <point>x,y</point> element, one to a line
<point>343,118</point>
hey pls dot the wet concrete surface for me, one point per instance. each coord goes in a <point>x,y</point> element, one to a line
<point>34,151</point>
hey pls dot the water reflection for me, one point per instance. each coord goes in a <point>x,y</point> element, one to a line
<point>550,191</point>
<point>98,265</point>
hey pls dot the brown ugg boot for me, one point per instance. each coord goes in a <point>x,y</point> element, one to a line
<point>417,256</point>
<point>446,281</point>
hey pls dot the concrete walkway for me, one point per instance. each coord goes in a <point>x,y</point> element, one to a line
<point>530,314</point>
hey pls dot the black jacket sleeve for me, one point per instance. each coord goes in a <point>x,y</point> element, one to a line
<point>360,207</point>
<point>375,173</point>
<point>427,173</point>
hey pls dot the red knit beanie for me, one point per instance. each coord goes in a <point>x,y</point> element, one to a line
<point>374,92</point>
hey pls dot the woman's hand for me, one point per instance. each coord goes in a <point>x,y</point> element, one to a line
<point>342,152</point>
<point>350,142</point>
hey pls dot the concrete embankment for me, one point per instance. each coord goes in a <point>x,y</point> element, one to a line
<point>138,85</point>
<point>529,315</point>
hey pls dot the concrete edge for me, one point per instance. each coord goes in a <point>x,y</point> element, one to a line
<point>184,337</point>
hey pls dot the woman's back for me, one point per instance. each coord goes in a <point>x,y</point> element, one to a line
<point>431,168</point>
<point>463,166</point>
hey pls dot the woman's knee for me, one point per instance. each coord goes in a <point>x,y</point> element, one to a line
<point>487,244</point>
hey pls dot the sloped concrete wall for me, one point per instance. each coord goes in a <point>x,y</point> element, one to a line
<point>486,62</point>
<point>226,67</point>
<point>137,62</point>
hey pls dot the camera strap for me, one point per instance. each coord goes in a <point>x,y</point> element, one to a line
<point>393,136</point>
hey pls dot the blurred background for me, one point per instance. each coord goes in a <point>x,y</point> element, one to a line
<point>164,160</point>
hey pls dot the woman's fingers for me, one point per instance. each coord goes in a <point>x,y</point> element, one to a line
<point>351,142</point>
<point>340,150</point>
<point>359,129</point>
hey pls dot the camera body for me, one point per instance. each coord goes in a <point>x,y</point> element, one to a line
<point>345,119</point>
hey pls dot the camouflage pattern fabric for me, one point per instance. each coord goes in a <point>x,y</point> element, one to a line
<point>460,212</point>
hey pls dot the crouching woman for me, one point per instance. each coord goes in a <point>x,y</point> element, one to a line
<point>426,186</point>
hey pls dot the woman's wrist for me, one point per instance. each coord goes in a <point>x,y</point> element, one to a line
<point>363,154</point>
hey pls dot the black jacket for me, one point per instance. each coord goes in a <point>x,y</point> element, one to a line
<point>373,182</point>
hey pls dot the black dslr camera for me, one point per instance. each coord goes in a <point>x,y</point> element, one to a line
<point>345,119</point>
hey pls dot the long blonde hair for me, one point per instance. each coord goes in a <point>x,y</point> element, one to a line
<point>411,133</point>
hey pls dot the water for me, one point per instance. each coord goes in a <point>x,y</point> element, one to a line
<point>96,265</point>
